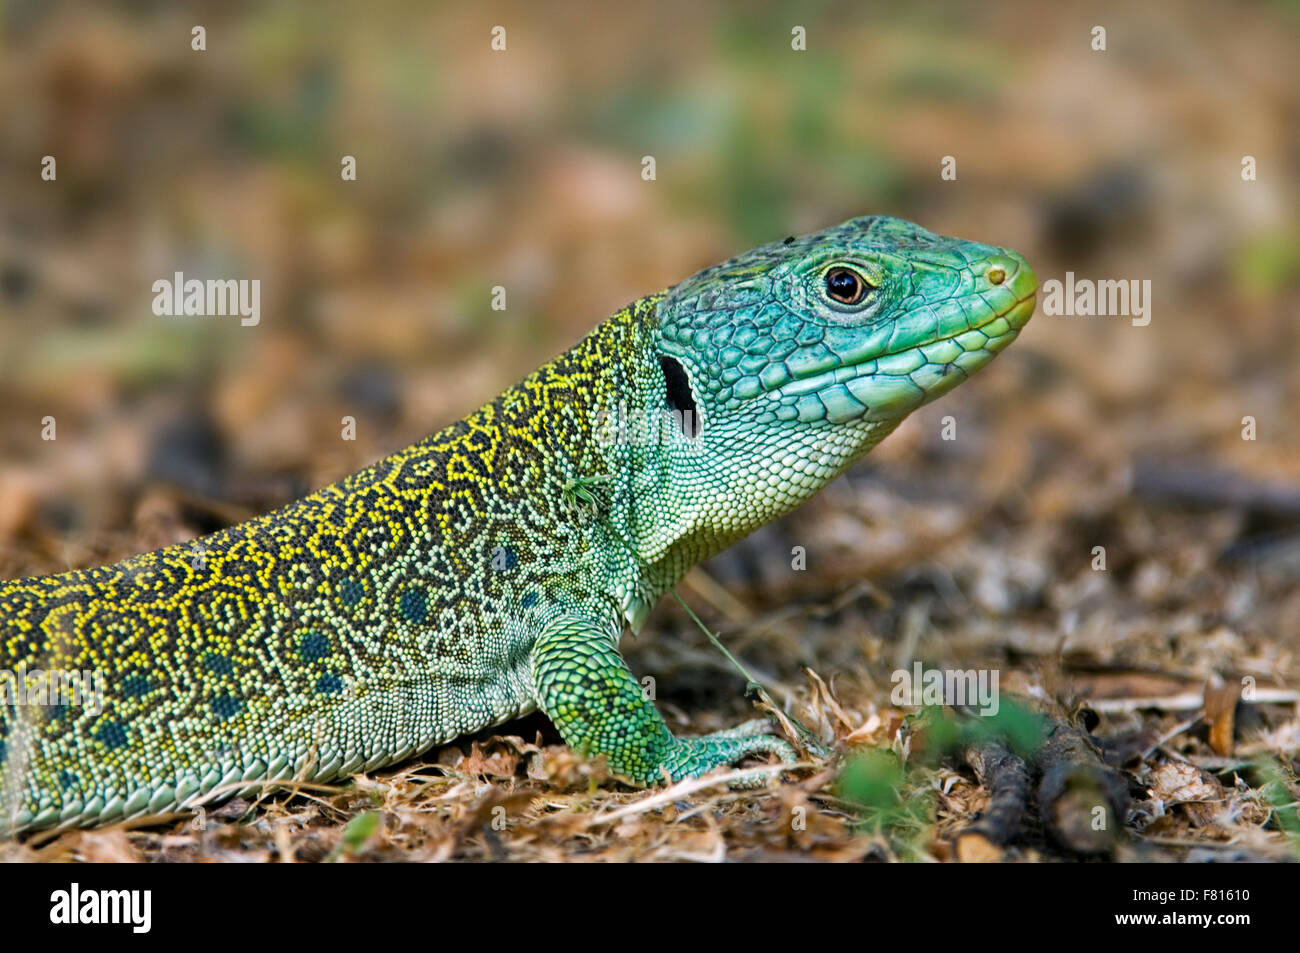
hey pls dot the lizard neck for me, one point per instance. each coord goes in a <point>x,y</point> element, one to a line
<point>621,495</point>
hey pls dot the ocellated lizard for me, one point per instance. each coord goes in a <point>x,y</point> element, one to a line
<point>491,568</point>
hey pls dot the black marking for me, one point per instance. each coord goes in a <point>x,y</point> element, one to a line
<point>680,397</point>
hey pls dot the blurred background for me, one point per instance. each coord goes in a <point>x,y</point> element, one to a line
<point>522,168</point>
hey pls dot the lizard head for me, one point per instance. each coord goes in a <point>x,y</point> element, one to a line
<point>797,357</point>
<point>860,323</point>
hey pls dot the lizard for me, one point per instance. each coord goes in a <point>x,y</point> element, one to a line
<point>492,568</point>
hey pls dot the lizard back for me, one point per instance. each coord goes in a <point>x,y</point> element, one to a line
<point>372,619</point>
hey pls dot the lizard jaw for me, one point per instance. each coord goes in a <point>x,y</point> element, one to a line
<point>892,385</point>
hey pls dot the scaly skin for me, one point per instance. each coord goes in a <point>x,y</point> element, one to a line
<point>491,568</point>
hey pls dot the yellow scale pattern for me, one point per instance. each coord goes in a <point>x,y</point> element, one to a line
<point>351,629</point>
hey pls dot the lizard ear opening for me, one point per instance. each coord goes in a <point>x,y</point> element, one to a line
<point>680,397</point>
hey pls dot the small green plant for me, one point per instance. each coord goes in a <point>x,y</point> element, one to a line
<point>895,798</point>
<point>355,836</point>
<point>1278,792</point>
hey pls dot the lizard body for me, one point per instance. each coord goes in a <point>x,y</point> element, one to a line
<point>491,568</point>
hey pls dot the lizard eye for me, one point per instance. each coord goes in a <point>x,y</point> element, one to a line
<point>846,286</point>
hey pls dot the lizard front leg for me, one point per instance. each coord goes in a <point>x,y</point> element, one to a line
<point>585,688</point>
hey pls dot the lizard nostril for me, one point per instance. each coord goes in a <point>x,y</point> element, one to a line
<point>997,275</point>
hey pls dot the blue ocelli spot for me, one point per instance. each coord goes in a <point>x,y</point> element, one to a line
<point>135,684</point>
<point>350,591</point>
<point>112,734</point>
<point>529,600</point>
<point>329,684</point>
<point>225,706</point>
<point>313,646</point>
<point>218,664</point>
<point>413,604</point>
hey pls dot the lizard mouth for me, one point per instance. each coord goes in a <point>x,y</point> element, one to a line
<point>897,381</point>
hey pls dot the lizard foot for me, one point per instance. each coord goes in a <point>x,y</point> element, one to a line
<point>692,757</point>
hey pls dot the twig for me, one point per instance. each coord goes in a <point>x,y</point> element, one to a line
<point>1006,778</point>
<point>690,786</point>
<point>1082,802</point>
